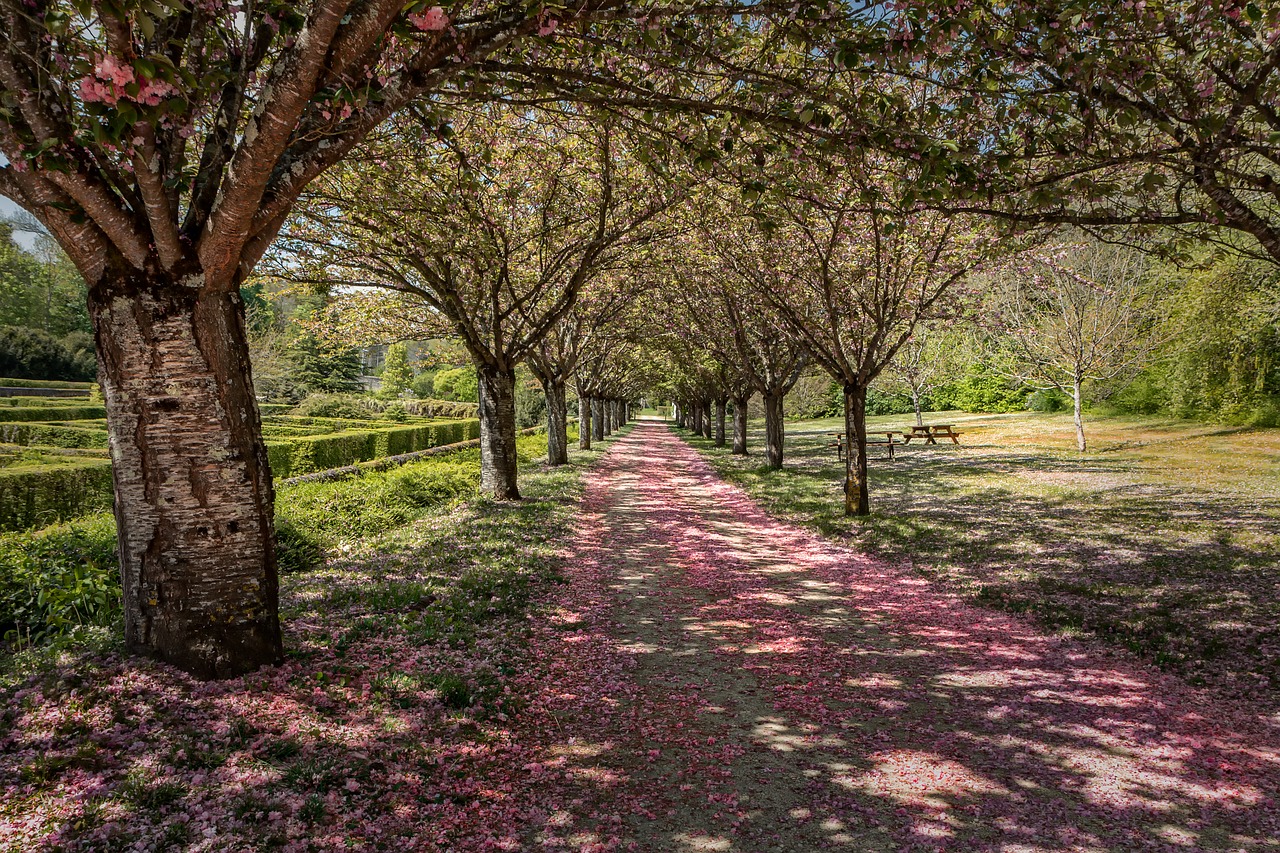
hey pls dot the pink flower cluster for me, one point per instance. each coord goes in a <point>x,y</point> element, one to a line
<point>109,81</point>
<point>430,20</point>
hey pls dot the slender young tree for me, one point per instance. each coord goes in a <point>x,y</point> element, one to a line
<point>1074,314</point>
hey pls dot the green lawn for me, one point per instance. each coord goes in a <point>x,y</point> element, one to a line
<point>1164,538</point>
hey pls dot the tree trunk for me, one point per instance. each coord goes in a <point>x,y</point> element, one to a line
<point>774,432</point>
<point>720,417</point>
<point>498,462</point>
<point>597,419</point>
<point>193,493</point>
<point>606,412</point>
<point>740,426</point>
<point>617,415</point>
<point>557,424</point>
<point>706,420</point>
<point>584,423</point>
<point>915,402</point>
<point>857,498</point>
<point>1076,397</point>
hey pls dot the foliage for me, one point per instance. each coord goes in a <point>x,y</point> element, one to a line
<point>531,401</point>
<point>458,384</point>
<point>335,406</point>
<point>982,389</point>
<point>58,577</point>
<point>40,289</point>
<point>35,495</point>
<point>397,375</point>
<point>32,354</point>
<point>51,435</point>
<point>304,454</point>
<point>52,412</point>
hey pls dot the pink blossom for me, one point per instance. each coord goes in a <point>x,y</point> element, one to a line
<point>431,20</point>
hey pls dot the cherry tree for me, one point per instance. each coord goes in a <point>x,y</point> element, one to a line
<point>494,226</point>
<point>1152,113</point>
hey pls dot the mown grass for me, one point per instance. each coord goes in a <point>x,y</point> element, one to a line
<point>1164,538</point>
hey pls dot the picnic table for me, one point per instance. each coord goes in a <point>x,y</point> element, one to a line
<point>931,433</point>
<point>886,442</point>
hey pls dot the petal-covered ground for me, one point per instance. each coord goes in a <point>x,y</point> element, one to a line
<point>712,679</point>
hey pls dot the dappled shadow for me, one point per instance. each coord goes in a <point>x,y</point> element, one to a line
<point>796,695</point>
<point>1181,575</point>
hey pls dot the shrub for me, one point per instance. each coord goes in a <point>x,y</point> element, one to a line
<point>13,382</point>
<point>32,354</point>
<point>38,495</point>
<point>306,454</point>
<point>51,435</point>
<point>882,403</point>
<point>336,406</point>
<point>459,383</point>
<point>1049,400</point>
<point>982,390</point>
<point>59,577</point>
<point>44,412</point>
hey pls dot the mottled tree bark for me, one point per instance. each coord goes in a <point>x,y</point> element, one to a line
<point>597,419</point>
<point>584,423</point>
<point>774,431</point>
<point>720,419</point>
<point>557,424</point>
<point>193,489</point>
<point>740,426</point>
<point>618,420</point>
<point>857,499</point>
<point>498,463</point>
<point>706,420</point>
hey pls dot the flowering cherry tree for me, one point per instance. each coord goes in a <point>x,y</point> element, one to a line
<point>163,144</point>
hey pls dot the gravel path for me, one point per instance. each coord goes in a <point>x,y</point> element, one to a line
<point>713,680</point>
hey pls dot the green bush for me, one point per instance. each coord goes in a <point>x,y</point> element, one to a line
<point>33,354</point>
<point>982,390</point>
<point>309,453</point>
<point>459,383</point>
<point>882,403</point>
<point>1049,400</point>
<point>59,577</point>
<point>51,413</point>
<point>38,495</point>
<point>349,406</point>
<point>51,435</point>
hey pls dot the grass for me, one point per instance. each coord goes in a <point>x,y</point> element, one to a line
<point>1164,538</point>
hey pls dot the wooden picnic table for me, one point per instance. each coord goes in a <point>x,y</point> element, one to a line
<point>931,433</point>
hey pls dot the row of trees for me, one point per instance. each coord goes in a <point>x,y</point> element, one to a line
<point>165,146</point>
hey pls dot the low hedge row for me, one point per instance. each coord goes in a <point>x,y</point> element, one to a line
<point>51,435</point>
<point>308,453</point>
<point>39,495</point>
<point>6,382</point>
<point>52,413</point>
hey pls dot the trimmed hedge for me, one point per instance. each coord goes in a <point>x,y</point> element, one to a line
<point>308,453</point>
<point>6,382</point>
<point>39,495</point>
<point>52,413</point>
<point>51,435</point>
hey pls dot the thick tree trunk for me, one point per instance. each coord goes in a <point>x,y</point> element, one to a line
<point>720,418</point>
<point>707,428</point>
<point>606,412</point>
<point>740,426</point>
<point>617,415</point>
<point>857,498</point>
<point>193,493</point>
<point>1078,399</point>
<point>498,463</point>
<point>557,424</point>
<point>584,423</point>
<point>774,431</point>
<point>598,424</point>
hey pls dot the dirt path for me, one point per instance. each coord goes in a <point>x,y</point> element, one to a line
<point>715,680</point>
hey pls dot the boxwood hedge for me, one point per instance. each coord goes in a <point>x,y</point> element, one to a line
<point>51,413</point>
<point>38,495</point>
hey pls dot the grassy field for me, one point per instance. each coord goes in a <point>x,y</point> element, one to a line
<point>1164,538</point>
